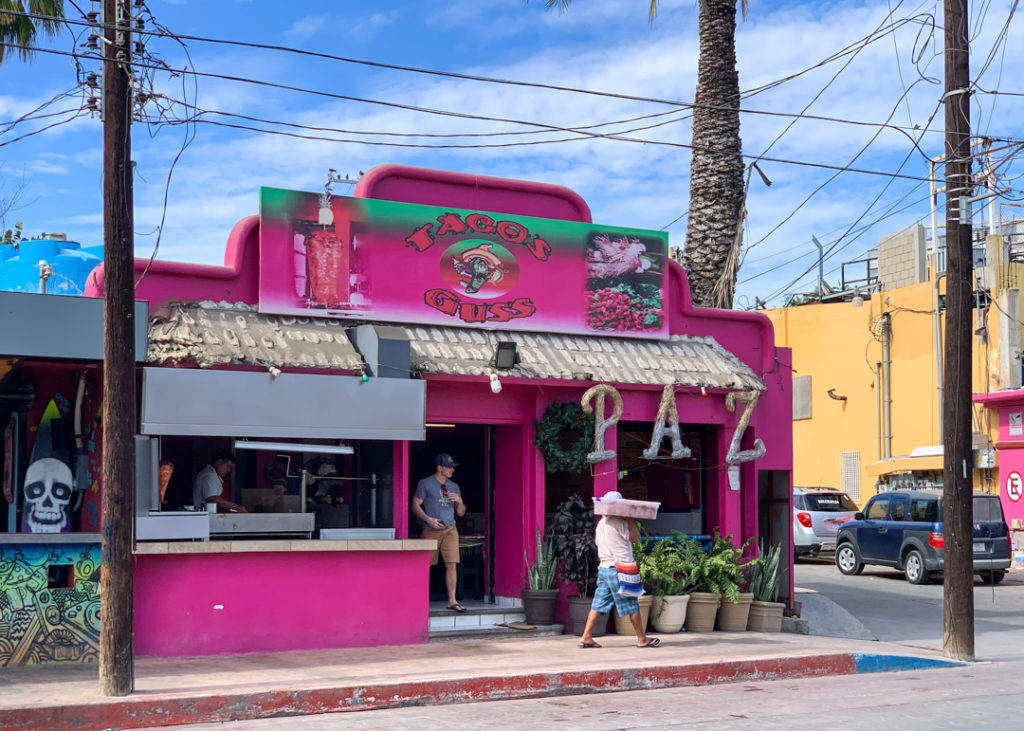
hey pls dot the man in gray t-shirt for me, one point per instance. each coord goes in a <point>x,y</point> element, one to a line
<point>435,503</point>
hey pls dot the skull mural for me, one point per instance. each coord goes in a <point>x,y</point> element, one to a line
<point>48,489</point>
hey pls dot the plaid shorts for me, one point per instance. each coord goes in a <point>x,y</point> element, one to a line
<point>607,594</point>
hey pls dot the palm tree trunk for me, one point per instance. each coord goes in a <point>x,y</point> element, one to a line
<point>716,169</point>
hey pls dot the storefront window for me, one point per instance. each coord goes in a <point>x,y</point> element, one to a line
<point>341,490</point>
<point>678,484</point>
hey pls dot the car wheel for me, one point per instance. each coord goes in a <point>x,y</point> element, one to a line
<point>914,570</point>
<point>847,560</point>
<point>992,577</point>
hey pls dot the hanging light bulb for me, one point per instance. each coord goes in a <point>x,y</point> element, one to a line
<point>495,384</point>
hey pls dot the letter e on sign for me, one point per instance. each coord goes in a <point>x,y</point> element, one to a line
<point>1014,486</point>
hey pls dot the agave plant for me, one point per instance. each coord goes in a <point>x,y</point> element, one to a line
<point>541,573</point>
<point>764,574</point>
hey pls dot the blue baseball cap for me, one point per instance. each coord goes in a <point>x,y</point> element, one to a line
<point>445,460</point>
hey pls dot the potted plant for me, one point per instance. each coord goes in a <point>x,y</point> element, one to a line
<point>765,609</point>
<point>540,595</point>
<point>717,576</point>
<point>572,530</point>
<point>666,567</point>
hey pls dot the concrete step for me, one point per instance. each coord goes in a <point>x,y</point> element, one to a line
<point>474,618</point>
<point>496,633</point>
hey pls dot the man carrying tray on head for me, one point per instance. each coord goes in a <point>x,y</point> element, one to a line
<point>615,536</point>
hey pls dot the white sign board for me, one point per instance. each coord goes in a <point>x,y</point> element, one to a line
<point>1016,424</point>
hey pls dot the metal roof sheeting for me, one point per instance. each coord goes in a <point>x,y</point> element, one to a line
<point>219,333</point>
<point>680,360</point>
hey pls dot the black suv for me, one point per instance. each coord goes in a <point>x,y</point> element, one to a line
<point>903,529</point>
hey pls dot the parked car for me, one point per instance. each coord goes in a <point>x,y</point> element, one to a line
<point>903,529</point>
<point>817,514</point>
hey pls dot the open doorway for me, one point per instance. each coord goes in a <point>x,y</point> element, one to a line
<point>470,445</point>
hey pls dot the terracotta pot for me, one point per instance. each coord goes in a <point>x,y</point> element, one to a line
<point>622,624</point>
<point>701,611</point>
<point>539,605</point>
<point>732,616</point>
<point>765,616</point>
<point>668,613</point>
<point>579,609</point>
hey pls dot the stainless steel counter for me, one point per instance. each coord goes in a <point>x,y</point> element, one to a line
<point>234,524</point>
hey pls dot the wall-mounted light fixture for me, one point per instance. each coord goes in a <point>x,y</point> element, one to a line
<point>506,356</point>
<point>294,447</point>
<point>495,384</point>
<point>832,394</point>
<point>438,425</point>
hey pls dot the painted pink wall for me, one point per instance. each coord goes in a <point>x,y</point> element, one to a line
<point>273,602</point>
<point>406,184</point>
<point>236,281</point>
<point>515,506</point>
<point>1009,446</point>
<point>402,498</point>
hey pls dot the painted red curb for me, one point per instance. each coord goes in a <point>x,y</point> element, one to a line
<point>146,711</point>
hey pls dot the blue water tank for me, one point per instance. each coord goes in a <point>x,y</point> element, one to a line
<point>19,268</point>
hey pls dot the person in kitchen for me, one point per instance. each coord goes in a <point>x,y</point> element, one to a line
<point>209,484</point>
<point>435,503</point>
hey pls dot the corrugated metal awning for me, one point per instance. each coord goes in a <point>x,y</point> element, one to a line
<point>219,333</point>
<point>680,360</point>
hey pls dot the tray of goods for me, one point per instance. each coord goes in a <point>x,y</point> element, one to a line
<point>644,509</point>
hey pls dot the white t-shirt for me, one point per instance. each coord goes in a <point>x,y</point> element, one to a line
<point>206,485</point>
<point>612,538</point>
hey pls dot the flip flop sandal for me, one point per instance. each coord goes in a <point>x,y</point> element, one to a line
<point>588,645</point>
<point>458,608</point>
<point>651,642</point>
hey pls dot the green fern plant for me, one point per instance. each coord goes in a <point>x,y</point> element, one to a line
<point>764,573</point>
<point>541,573</point>
<point>666,565</point>
<point>721,570</point>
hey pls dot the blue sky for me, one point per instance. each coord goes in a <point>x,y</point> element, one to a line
<point>601,45</point>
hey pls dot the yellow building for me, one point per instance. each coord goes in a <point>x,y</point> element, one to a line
<point>866,377</point>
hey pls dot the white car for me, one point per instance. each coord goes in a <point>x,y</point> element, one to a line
<point>817,514</point>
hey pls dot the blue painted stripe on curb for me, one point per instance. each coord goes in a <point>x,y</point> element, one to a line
<point>868,663</point>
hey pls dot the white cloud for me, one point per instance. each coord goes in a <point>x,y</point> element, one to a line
<point>305,28</point>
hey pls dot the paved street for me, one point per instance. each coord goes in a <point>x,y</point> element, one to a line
<point>895,611</point>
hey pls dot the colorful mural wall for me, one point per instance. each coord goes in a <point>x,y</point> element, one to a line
<point>400,262</point>
<point>49,603</point>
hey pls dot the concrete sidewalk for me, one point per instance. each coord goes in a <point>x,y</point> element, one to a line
<point>224,688</point>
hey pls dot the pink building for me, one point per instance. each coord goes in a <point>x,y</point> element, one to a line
<point>1010,448</point>
<point>347,341</point>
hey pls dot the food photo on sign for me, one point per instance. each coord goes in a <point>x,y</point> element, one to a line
<point>409,263</point>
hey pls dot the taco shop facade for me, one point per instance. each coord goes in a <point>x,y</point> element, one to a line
<point>358,337</point>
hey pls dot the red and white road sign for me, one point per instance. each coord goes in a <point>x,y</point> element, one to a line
<point>1014,486</point>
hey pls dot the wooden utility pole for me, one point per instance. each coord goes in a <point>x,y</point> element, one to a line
<point>958,471</point>
<point>117,669</point>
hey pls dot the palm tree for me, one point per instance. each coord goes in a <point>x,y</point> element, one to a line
<point>19,23</point>
<point>716,167</point>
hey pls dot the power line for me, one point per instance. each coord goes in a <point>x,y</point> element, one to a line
<point>464,115</point>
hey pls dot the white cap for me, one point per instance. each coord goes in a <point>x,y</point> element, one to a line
<point>613,495</point>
